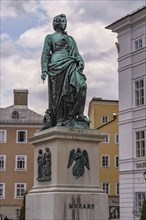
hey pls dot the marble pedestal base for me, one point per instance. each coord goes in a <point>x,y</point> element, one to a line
<point>66,197</point>
<point>67,206</point>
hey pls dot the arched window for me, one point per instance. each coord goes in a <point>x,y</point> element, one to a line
<point>15,114</point>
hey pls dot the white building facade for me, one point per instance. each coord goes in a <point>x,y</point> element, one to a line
<point>131,47</point>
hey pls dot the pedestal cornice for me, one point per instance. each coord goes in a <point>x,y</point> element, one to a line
<point>69,133</point>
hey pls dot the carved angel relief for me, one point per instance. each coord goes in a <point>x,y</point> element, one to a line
<point>81,159</point>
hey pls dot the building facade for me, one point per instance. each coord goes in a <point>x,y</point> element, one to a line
<point>131,31</point>
<point>103,115</point>
<point>17,124</point>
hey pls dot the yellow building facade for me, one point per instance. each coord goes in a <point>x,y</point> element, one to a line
<point>103,115</point>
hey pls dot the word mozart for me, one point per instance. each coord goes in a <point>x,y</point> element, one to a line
<point>81,206</point>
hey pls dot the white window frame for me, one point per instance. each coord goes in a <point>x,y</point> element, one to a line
<point>17,135</point>
<point>117,189</point>
<point>3,190</point>
<point>116,157</point>
<point>106,138</point>
<point>3,139</point>
<point>139,201</point>
<point>16,196</point>
<point>106,187</point>
<point>3,158</point>
<point>17,161</point>
<point>116,138</point>
<point>105,119</point>
<point>139,92</point>
<point>108,157</point>
<point>140,142</point>
<point>138,43</point>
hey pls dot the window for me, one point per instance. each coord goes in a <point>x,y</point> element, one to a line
<point>139,92</point>
<point>2,190</point>
<point>117,188</point>
<point>105,187</point>
<point>138,43</point>
<point>105,119</point>
<point>2,136</point>
<point>116,138</point>
<point>21,162</point>
<point>2,162</point>
<point>106,138</point>
<point>21,136</point>
<point>140,196</point>
<point>20,189</point>
<point>116,161</point>
<point>140,144</point>
<point>15,115</point>
<point>105,161</point>
<point>114,212</point>
<point>17,213</point>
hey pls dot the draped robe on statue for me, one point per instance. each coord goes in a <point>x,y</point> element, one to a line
<point>67,86</point>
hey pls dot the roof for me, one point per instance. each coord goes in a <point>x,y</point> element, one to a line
<point>22,115</point>
<point>96,99</point>
<point>127,16</point>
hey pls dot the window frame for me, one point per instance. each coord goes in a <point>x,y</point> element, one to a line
<point>107,187</point>
<point>139,91</point>
<point>5,136</point>
<point>116,156</point>
<point>17,168</point>
<point>108,161</point>
<point>3,190</point>
<point>116,137</point>
<point>139,202</point>
<point>105,119</point>
<point>106,138</point>
<point>4,162</point>
<point>138,43</point>
<point>15,115</point>
<point>16,196</point>
<point>117,189</point>
<point>140,149</point>
<point>17,136</point>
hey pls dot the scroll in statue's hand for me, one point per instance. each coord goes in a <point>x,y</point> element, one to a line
<point>43,76</point>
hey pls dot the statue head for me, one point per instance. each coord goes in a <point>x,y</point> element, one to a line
<point>40,151</point>
<point>60,22</point>
<point>47,149</point>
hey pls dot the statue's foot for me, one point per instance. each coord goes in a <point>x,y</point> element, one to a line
<point>83,118</point>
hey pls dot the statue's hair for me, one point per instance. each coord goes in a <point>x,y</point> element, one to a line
<point>56,20</point>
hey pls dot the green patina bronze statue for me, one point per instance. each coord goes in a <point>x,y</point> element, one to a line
<point>63,65</point>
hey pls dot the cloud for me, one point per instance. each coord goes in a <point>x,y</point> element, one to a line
<point>14,8</point>
<point>33,38</point>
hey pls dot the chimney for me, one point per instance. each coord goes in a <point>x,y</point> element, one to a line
<point>21,97</point>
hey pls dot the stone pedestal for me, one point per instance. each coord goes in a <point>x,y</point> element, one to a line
<point>66,197</point>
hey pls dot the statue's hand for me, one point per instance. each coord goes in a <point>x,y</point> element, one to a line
<point>81,67</point>
<point>43,76</point>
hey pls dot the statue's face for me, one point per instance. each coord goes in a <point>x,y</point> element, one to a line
<point>63,23</point>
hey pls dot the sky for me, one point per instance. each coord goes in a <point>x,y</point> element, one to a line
<point>24,25</point>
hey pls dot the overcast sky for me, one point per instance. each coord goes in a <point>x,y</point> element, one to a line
<point>24,25</point>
